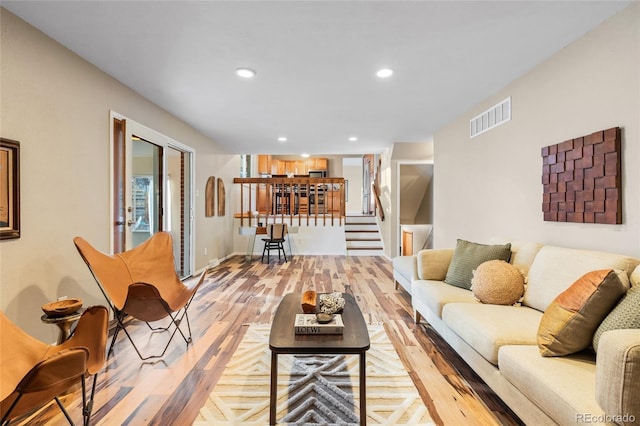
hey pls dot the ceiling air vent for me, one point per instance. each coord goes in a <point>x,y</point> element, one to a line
<point>494,116</point>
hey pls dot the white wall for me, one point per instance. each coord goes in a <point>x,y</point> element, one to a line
<point>389,231</point>
<point>57,105</point>
<point>491,185</point>
<point>302,239</point>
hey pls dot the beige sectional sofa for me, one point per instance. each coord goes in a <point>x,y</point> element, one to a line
<point>500,342</point>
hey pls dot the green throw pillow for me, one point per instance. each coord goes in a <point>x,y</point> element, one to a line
<point>626,314</point>
<point>468,256</point>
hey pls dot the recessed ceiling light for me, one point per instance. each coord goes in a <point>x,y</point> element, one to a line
<point>245,72</point>
<point>384,73</point>
<point>353,139</point>
<point>282,139</point>
<point>305,155</point>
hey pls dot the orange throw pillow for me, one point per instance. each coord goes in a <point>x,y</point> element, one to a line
<point>570,321</point>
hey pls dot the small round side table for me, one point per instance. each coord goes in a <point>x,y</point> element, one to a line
<point>64,323</point>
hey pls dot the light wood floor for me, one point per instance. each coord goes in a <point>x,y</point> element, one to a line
<point>170,392</point>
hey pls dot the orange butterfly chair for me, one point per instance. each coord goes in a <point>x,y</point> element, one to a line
<point>34,373</point>
<point>142,282</point>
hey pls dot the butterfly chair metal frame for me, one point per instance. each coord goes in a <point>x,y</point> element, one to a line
<point>142,283</point>
<point>41,372</point>
<point>275,241</point>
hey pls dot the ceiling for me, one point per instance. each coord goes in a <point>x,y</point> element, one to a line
<point>315,61</point>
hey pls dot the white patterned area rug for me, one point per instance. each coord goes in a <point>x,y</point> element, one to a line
<point>313,390</point>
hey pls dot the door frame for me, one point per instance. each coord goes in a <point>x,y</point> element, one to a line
<point>397,225</point>
<point>164,141</point>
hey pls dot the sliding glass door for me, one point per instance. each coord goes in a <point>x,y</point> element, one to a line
<point>151,190</point>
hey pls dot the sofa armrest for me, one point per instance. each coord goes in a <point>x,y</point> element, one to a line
<point>618,375</point>
<point>434,263</point>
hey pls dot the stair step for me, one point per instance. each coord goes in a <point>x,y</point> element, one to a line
<point>362,236</point>
<point>360,219</point>
<point>358,243</point>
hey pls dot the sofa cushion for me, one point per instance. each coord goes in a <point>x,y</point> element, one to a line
<point>522,253</point>
<point>556,268</point>
<point>433,263</point>
<point>436,294</point>
<point>468,256</point>
<point>569,323</point>
<point>486,328</point>
<point>564,386</point>
<point>497,282</point>
<point>626,314</point>
<point>635,276</point>
<point>405,271</point>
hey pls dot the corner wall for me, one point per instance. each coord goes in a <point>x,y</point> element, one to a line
<point>491,185</point>
<point>57,105</point>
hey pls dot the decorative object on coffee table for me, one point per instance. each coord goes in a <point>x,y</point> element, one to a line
<point>331,303</point>
<point>309,298</point>
<point>309,324</point>
<point>324,318</point>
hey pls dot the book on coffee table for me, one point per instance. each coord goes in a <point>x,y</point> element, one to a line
<point>308,324</point>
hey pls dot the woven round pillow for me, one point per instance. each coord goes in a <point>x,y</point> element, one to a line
<point>498,283</point>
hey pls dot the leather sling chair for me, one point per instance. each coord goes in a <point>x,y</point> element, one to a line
<point>35,373</point>
<point>142,283</point>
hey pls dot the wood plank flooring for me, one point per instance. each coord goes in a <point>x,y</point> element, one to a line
<point>236,293</point>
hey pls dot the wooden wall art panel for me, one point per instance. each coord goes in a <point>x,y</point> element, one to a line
<point>209,197</point>
<point>582,179</point>
<point>221,197</point>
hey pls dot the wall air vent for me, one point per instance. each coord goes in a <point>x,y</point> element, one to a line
<point>494,116</point>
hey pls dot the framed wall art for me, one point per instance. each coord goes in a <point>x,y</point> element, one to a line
<point>9,189</point>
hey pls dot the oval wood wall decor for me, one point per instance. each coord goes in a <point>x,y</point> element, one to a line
<point>221,197</point>
<point>209,200</point>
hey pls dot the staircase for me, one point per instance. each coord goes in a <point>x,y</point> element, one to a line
<point>363,236</point>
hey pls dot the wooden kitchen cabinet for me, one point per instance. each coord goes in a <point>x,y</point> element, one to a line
<point>302,167</point>
<point>319,164</point>
<point>264,164</point>
<point>274,166</point>
<point>279,167</point>
<point>291,167</point>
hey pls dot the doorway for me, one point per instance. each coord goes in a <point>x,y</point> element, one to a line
<point>414,205</point>
<point>151,190</point>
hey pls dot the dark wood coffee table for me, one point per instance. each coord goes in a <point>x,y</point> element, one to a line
<point>283,340</point>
